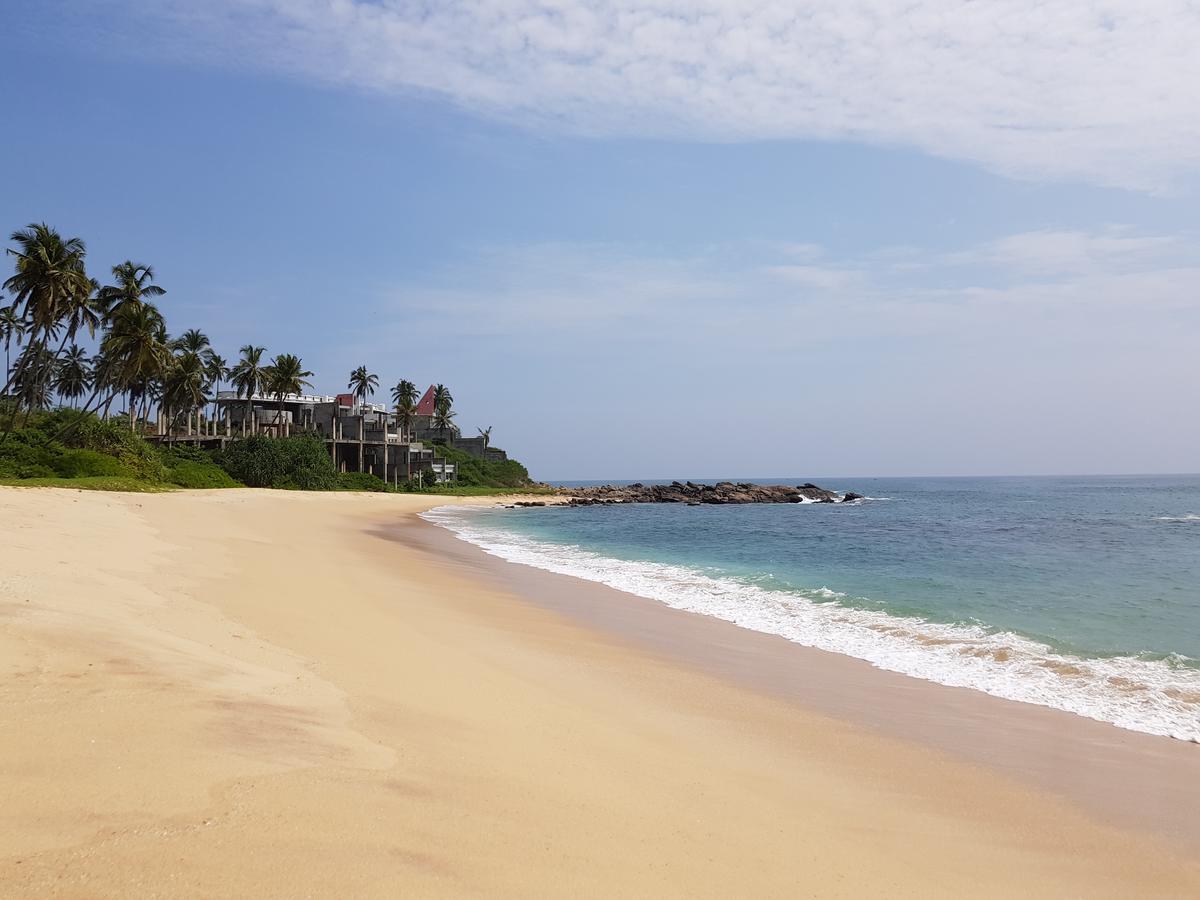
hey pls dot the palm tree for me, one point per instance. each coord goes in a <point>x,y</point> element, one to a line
<point>82,309</point>
<point>132,288</point>
<point>249,376</point>
<point>404,395</point>
<point>73,374</point>
<point>192,341</point>
<point>34,379</point>
<point>49,272</point>
<point>443,418</point>
<point>486,434</point>
<point>286,375</point>
<point>11,326</point>
<point>184,383</point>
<point>363,383</point>
<point>104,379</point>
<point>442,397</point>
<point>137,350</point>
<point>216,370</point>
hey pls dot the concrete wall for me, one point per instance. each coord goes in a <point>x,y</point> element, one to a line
<point>474,446</point>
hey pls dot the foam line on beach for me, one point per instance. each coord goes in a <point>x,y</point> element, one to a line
<point>1160,697</point>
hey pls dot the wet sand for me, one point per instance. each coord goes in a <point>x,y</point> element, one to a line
<point>1141,781</point>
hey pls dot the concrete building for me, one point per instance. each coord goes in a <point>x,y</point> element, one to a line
<point>361,437</point>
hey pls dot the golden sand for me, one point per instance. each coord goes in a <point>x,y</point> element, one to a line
<point>250,693</point>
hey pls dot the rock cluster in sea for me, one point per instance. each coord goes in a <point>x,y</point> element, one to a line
<point>696,494</point>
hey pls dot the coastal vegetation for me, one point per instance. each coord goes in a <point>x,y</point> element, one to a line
<point>91,372</point>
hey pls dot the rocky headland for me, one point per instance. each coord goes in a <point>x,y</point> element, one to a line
<point>692,494</point>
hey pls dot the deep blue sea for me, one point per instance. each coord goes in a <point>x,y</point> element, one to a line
<point>1077,593</point>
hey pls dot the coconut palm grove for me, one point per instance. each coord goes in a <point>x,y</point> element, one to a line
<point>98,392</point>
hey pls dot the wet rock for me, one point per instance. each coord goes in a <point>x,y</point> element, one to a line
<point>693,494</point>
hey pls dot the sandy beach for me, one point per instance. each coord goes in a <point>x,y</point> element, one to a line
<point>275,694</point>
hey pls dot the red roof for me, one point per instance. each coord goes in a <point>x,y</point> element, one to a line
<point>425,407</point>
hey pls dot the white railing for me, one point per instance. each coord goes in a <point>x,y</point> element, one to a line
<point>271,398</point>
<point>234,396</point>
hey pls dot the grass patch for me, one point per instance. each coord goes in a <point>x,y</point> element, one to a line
<point>121,483</point>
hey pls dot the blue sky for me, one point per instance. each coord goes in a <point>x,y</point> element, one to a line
<point>655,238</point>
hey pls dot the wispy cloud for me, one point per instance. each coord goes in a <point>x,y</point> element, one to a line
<point>1077,89</point>
<point>995,290</point>
<point>1063,252</point>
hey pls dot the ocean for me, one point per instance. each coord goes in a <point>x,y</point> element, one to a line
<point>1079,593</point>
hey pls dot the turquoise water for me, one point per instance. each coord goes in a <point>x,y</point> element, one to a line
<point>1078,593</point>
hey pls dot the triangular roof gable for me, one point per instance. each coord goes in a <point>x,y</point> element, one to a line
<point>425,407</point>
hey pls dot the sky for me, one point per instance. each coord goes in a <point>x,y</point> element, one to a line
<point>659,238</point>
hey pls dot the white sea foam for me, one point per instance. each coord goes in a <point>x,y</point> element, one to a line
<point>1187,518</point>
<point>1154,696</point>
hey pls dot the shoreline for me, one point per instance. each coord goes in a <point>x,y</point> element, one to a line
<point>1147,782</point>
<point>254,692</point>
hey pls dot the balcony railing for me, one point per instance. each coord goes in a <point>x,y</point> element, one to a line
<point>266,399</point>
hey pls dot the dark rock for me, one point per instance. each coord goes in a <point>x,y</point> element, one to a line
<point>694,494</point>
<point>850,495</point>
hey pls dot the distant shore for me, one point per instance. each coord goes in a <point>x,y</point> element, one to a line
<point>279,693</point>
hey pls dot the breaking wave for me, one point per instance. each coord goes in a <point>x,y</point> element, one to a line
<point>1157,696</point>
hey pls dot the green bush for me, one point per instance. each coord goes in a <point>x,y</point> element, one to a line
<point>298,462</point>
<point>173,454</point>
<point>473,471</point>
<point>88,463</point>
<point>361,481</point>
<point>10,469</point>
<point>28,453</point>
<point>114,437</point>
<point>193,474</point>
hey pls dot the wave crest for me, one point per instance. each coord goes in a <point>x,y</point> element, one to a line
<point>1159,697</point>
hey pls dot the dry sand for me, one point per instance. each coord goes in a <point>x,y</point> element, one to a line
<point>246,693</point>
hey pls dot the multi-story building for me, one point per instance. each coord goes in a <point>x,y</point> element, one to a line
<point>361,437</point>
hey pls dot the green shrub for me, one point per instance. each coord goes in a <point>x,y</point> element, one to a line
<point>28,453</point>
<point>473,471</point>
<point>173,454</point>
<point>10,469</point>
<point>87,431</point>
<point>87,464</point>
<point>193,474</point>
<point>361,481</point>
<point>297,462</point>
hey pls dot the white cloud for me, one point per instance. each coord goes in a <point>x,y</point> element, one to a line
<point>1075,89</point>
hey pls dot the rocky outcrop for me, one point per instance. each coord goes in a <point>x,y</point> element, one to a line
<point>723,492</point>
